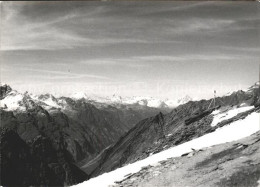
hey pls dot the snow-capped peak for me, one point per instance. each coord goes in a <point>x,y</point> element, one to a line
<point>4,89</point>
<point>13,101</point>
<point>141,100</point>
<point>181,101</point>
<point>3,84</point>
<point>49,100</point>
<point>248,90</point>
<point>251,88</point>
<point>16,101</point>
<point>79,95</point>
<point>184,99</point>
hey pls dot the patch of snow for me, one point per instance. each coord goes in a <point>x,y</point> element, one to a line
<point>33,97</point>
<point>13,101</point>
<point>215,112</point>
<point>48,101</point>
<point>184,100</point>
<point>116,99</point>
<point>171,103</point>
<point>235,131</point>
<point>221,116</point>
<point>229,93</point>
<point>145,101</point>
<point>79,95</point>
<point>51,103</point>
<point>258,182</point>
<point>3,84</point>
<point>181,101</point>
<point>242,104</point>
<point>251,88</point>
<point>155,103</point>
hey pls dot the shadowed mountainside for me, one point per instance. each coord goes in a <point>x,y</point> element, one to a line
<point>74,129</point>
<point>36,163</point>
<point>87,129</point>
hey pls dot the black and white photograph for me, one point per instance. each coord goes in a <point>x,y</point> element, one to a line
<point>130,93</point>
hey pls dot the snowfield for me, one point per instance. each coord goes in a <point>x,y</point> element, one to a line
<point>221,116</point>
<point>235,131</point>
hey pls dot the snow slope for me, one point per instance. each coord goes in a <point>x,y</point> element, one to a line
<point>221,116</point>
<point>236,130</point>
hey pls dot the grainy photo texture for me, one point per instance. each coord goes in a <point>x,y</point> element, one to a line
<point>130,93</point>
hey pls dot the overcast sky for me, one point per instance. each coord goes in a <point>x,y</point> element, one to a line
<point>160,49</point>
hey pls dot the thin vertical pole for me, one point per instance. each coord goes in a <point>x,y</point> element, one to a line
<point>214,98</point>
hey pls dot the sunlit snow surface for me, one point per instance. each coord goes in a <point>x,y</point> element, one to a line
<point>219,116</point>
<point>13,101</point>
<point>51,103</point>
<point>236,130</point>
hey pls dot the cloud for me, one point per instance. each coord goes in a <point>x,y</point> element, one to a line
<point>128,42</point>
<point>21,33</point>
<point>145,61</point>
<point>54,26</point>
<point>189,58</point>
<point>45,37</point>
<point>242,49</point>
<point>126,62</point>
<point>50,74</point>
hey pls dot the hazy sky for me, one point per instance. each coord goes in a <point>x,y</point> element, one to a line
<point>160,49</point>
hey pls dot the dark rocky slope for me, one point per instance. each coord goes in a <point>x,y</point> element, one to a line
<point>4,90</point>
<point>36,163</point>
<point>155,134</point>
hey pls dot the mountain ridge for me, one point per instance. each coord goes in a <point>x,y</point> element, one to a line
<point>184,123</point>
<point>100,137</point>
<point>88,127</point>
<point>58,102</point>
<point>141,100</point>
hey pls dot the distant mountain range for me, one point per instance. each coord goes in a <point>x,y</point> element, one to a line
<point>104,123</point>
<point>15,100</point>
<point>140,100</point>
<point>75,128</point>
<point>97,135</point>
